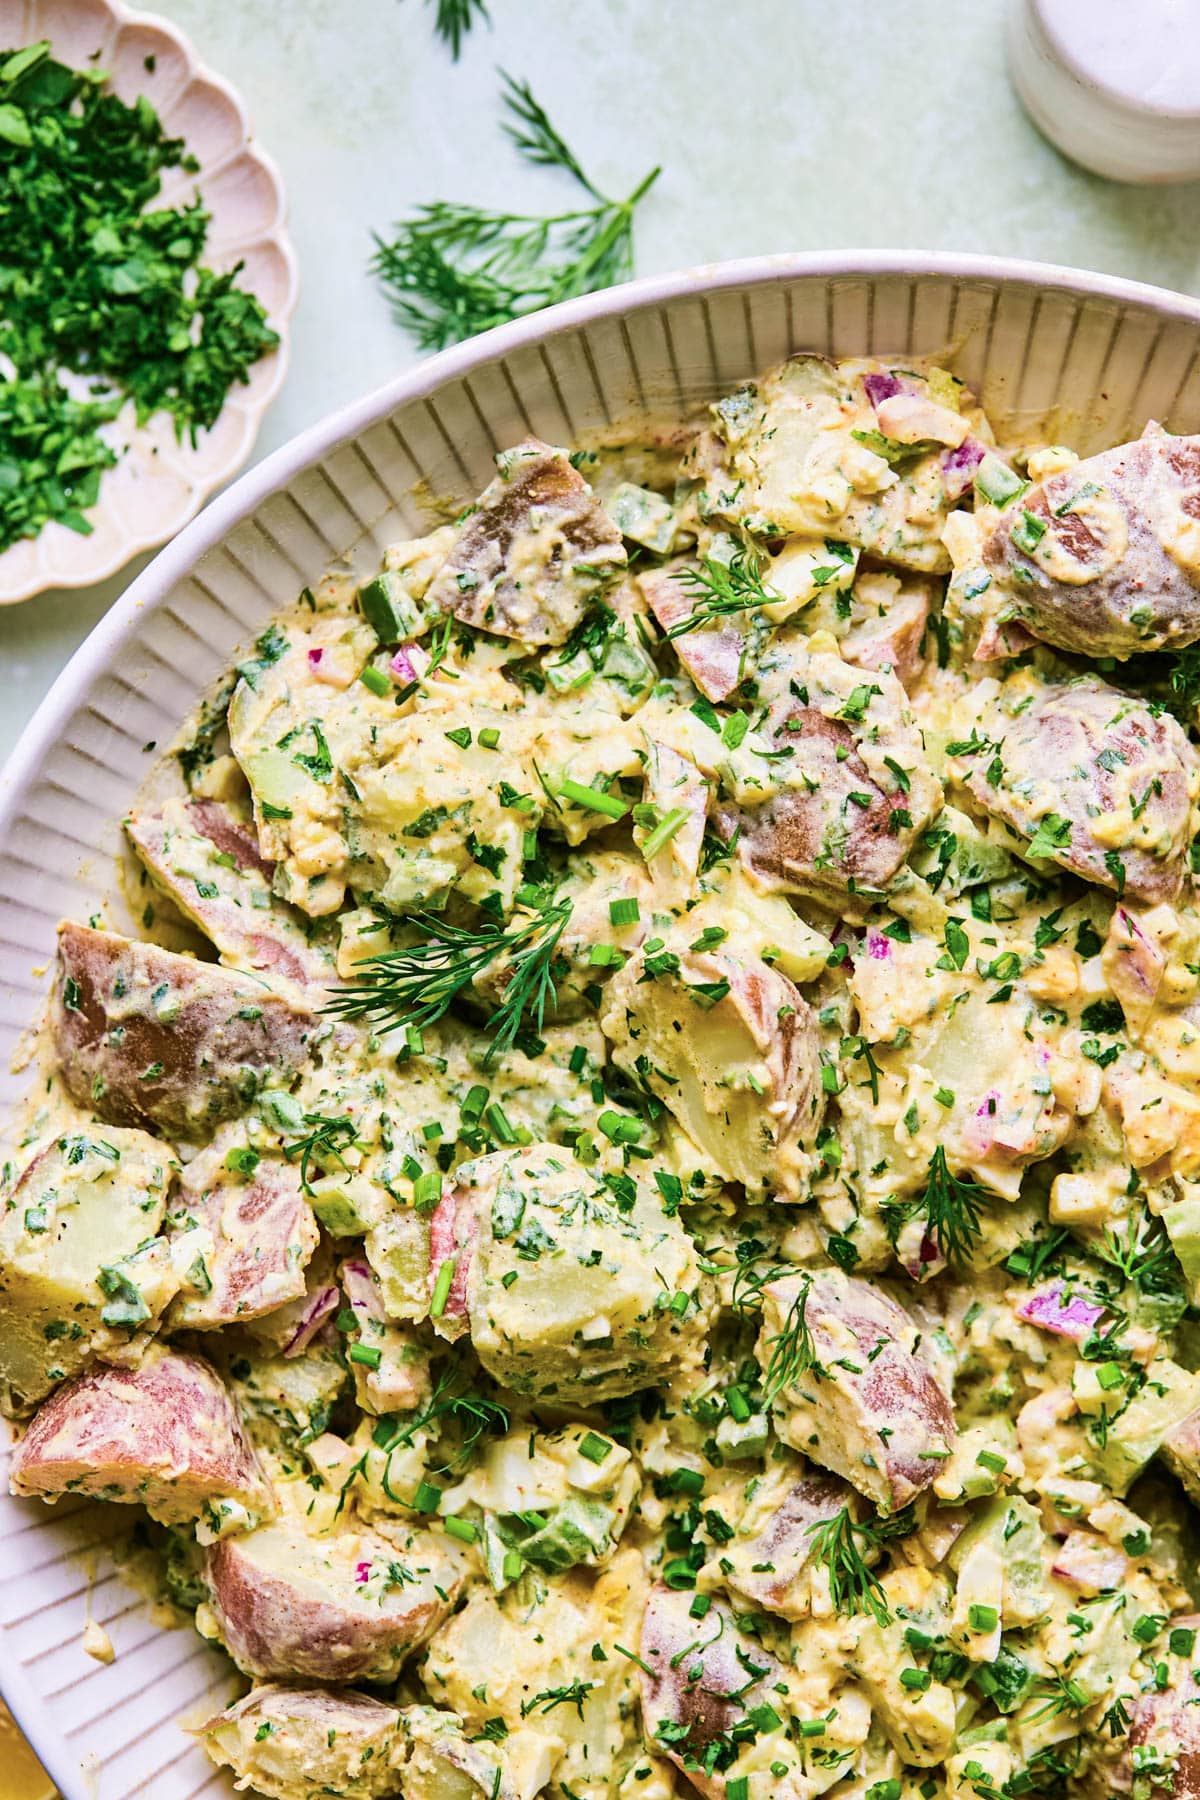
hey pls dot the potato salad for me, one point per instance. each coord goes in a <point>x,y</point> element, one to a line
<point>630,1216</point>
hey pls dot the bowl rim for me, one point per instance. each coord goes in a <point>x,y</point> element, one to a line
<point>100,649</point>
<point>136,543</point>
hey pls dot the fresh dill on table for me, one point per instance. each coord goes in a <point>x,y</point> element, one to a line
<point>413,987</point>
<point>454,269</point>
<point>453,19</point>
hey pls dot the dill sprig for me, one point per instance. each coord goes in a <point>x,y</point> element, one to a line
<point>328,1138</point>
<point>454,18</point>
<point>416,986</point>
<point>792,1353</point>
<point>1142,1256</point>
<point>952,1209</point>
<point>454,270</point>
<point>854,1586</point>
<point>452,1399</point>
<point>720,589</point>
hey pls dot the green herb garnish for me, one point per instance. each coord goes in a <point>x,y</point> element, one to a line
<point>454,269</point>
<point>97,281</point>
<point>416,986</point>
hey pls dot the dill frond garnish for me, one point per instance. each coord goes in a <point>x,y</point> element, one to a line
<point>791,1351</point>
<point>326,1141</point>
<point>454,269</point>
<point>951,1207</point>
<point>720,589</point>
<point>453,1401</point>
<point>454,18</point>
<point>854,1586</point>
<point>416,986</point>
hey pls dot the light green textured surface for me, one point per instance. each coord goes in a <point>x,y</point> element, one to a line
<point>780,125</point>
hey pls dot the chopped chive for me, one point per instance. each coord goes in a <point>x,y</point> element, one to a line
<point>367,1354</point>
<point>664,831</point>
<point>427,1498</point>
<point>626,911</point>
<point>489,738</point>
<point>427,1190</point>
<point>375,680</point>
<point>592,799</point>
<point>441,1287</point>
<point>738,1405</point>
<point>513,1564</point>
<point>463,1529</point>
<point>593,1447</point>
<point>498,1124</point>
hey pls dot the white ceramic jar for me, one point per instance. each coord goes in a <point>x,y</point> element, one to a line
<point>1115,84</point>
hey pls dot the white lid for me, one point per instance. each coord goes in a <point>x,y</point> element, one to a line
<point>1145,53</point>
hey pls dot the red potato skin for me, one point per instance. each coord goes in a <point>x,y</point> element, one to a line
<point>1063,731</point>
<point>167,1431</point>
<point>782,842</point>
<point>453,1230</point>
<point>212,1061</point>
<point>1170,1722</point>
<point>895,1390</point>
<point>713,655</point>
<point>264,940</point>
<point>669,1697</point>
<point>253,1268</point>
<point>275,1629</point>
<point>784,1546</point>
<point>543,479</point>
<point>1152,480</point>
<point>893,642</point>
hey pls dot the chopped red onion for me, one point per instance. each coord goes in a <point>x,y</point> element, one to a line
<point>881,387</point>
<point>314,657</point>
<point>318,1308</point>
<point>959,466</point>
<point>1073,1318</point>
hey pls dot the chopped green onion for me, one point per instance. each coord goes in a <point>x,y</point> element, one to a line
<point>626,911</point>
<point>375,681</point>
<point>664,831</point>
<point>593,1447</point>
<point>367,1354</point>
<point>463,1529</point>
<point>441,1287</point>
<point>592,799</point>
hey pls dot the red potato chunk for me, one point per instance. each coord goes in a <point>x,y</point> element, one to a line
<point>767,1563</point>
<point>166,1434</point>
<point>1104,557</point>
<point>565,1283</point>
<point>258,1235</point>
<point>717,657</point>
<point>673,786</point>
<point>535,552</point>
<point>1104,785</point>
<point>1165,1732</point>
<point>870,1408</point>
<point>208,864</point>
<point>849,792</point>
<point>888,620</point>
<point>731,1047</point>
<point>81,1266</point>
<point>399,1380</point>
<point>346,1608</point>
<point>146,1037</point>
<point>314,1739</point>
<point>696,1682</point>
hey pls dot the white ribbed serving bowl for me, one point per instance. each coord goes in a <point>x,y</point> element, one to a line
<point>1080,358</point>
<point>159,482</point>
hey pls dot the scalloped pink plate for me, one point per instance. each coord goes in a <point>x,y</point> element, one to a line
<point>159,482</point>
